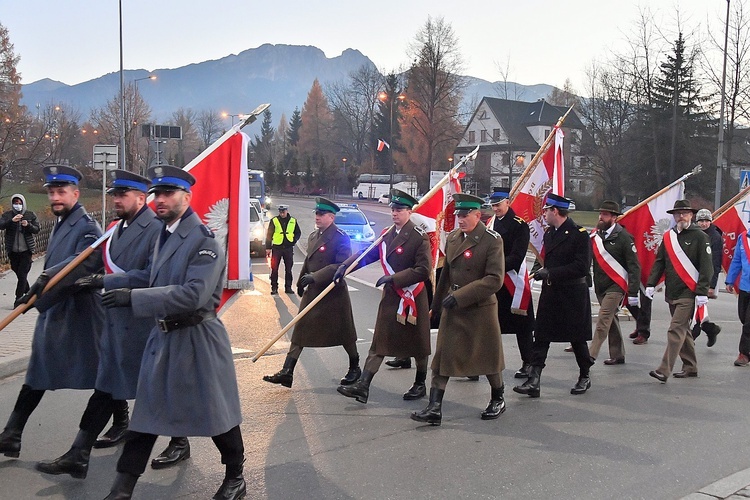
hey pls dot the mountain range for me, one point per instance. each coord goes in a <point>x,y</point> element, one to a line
<point>279,74</point>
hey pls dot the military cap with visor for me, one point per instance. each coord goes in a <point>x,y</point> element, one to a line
<point>465,203</point>
<point>556,201</point>
<point>169,178</point>
<point>499,194</point>
<point>283,208</point>
<point>400,199</point>
<point>325,205</point>
<point>61,175</point>
<point>122,181</point>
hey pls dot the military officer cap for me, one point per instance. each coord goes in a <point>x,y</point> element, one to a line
<point>283,208</point>
<point>61,175</point>
<point>325,205</point>
<point>399,199</point>
<point>465,203</point>
<point>499,194</point>
<point>123,181</point>
<point>680,205</point>
<point>169,178</point>
<point>556,201</point>
<point>610,206</point>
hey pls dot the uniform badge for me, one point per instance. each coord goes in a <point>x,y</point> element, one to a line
<point>468,254</point>
<point>399,250</point>
<point>158,171</point>
<point>53,170</point>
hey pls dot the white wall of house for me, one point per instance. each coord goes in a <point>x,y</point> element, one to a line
<point>484,129</point>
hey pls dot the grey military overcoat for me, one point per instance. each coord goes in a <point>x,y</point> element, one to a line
<point>124,336</point>
<point>65,346</point>
<point>187,384</point>
<point>468,340</point>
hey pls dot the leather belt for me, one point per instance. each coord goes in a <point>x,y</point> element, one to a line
<point>171,323</point>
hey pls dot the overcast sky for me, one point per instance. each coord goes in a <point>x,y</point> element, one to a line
<point>545,41</point>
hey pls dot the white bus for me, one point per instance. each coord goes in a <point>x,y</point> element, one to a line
<point>373,186</point>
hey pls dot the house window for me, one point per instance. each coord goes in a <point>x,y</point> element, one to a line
<point>496,134</point>
<point>546,133</point>
<point>472,137</point>
<point>484,135</point>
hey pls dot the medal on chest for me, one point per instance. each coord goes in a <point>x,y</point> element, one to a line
<point>468,254</point>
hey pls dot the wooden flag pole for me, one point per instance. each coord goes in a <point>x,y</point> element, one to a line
<point>22,308</point>
<point>446,178</point>
<point>696,170</point>
<point>537,157</point>
<point>726,206</point>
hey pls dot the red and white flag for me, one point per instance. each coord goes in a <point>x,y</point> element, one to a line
<point>733,221</point>
<point>648,222</point>
<point>435,215</point>
<point>548,175</point>
<point>220,198</point>
<point>382,144</point>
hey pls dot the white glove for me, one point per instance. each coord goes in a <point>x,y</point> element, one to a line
<point>701,300</point>
<point>650,291</point>
<point>634,301</point>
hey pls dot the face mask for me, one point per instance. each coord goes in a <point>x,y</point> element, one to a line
<point>17,208</point>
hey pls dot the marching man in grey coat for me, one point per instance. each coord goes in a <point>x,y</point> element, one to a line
<point>64,349</point>
<point>187,384</point>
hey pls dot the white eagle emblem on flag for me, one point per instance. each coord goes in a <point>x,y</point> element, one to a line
<point>653,240</point>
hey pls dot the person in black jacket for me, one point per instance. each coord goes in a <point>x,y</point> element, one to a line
<point>20,227</point>
<point>704,220</point>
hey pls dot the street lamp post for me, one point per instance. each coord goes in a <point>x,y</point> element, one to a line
<point>149,77</point>
<point>383,97</point>
<point>343,160</point>
<point>225,115</point>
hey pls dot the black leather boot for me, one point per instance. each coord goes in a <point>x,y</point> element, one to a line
<point>120,422</point>
<point>583,385</point>
<point>433,414</point>
<point>712,330</point>
<point>399,363</point>
<point>75,462</point>
<point>233,487</point>
<point>177,451</point>
<point>10,439</point>
<point>285,376</point>
<point>354,372</point>
<point>123,487</point>
<point>360,390</point>
<point>496,406</point>
<point>532,385</point>
<point>418,390</point>
<point>523,372</point>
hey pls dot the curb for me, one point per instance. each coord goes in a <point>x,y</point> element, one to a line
<point>736,484</point>
<point>14,364</point>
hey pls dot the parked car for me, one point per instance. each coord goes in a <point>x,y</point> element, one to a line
<point>255,202</point>
<point>257,233</point>
<point>384,198</point>
<point>353,222</point>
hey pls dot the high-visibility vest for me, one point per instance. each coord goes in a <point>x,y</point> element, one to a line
<point>278,233</point>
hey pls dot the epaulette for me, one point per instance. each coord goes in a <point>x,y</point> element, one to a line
<point>89,218</point>
<point>207,231</point>
<point>341,231</point>
<point>493,233</point>
<point>582,229</point>
<point>419,230</point>
<point>519,220</point>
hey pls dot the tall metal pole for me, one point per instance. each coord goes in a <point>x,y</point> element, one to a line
<point>720,152</point>
<point>390,147</point>
<point>122,101</point>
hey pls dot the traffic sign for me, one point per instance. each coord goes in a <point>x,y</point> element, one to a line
<point>744,179</point>
<point>105,157</point>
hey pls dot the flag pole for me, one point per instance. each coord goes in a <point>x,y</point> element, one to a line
<point>22,308</point>
<point>696,170</point>
<point>446,178</point>
<point>726,206</point>
<point>538,156</point>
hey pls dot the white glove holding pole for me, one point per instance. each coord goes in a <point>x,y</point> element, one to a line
<point>701,300</point>
<point>650,291</point>
<point>634,301</point>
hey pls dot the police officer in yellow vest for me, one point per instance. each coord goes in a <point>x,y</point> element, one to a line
<point>283,233</point>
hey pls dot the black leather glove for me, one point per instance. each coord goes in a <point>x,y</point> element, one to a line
<point>541,274</point>
<point>384,279</point>
<point>35,289</point>
<point>450,302</point>
<point>339,274</point>
<point>93,281</point>
<point>119,297</point>
<point>305,280</point>
<point>300,290</point>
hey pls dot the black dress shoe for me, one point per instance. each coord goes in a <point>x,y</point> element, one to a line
<point>583,385</point>
<point>75,462</point>
<point>417,391</point>
<point>522,372</point>
<point>351,376</point>
<point>274,291</point>
<point>123,487</point>
<point>473,378</point>
<point>496,405</point>
<point>399,363</point>
<point>614,361</point>
<point>112,437</point>
<point>288,290</point>
<point>433,413</point>
<point>684,374</point>
<point>658,376</point>
<point>231,489</point>
<point>177,451</point>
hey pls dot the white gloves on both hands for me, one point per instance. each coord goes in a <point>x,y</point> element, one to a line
<point>650,291</point>
<point>634,301</point>
<point>701,300</point>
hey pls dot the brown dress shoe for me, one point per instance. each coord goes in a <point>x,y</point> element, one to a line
<point>658,376</point>
<point>614,361</point>
<point>640,340</point>
<point>633,335</point>
<point>684,374</point>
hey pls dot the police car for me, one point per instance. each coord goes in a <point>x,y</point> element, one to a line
<point>353,222</point>
<point>257,233</point>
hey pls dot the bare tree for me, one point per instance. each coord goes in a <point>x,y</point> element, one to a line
<point>188,147</point>
<point>504,88</point>
<point>209,127</point>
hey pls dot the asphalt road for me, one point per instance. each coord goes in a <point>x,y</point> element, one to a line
<point>628,437</point>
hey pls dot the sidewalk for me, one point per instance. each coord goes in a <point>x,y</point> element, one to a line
<point>15,340</point>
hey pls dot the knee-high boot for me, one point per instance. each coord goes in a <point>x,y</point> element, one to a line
<point>75,461</point>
